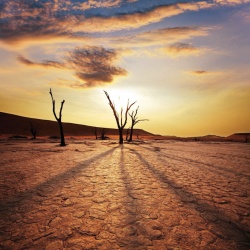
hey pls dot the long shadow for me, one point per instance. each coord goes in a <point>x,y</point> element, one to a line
<point>128,240</point>
<point>137,235</point>
<point>240,235</point>
<point>217,169</point>
<point>54,181</point>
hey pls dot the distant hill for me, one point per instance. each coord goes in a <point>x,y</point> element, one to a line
<point>18,125</point>
<point>239,137</point>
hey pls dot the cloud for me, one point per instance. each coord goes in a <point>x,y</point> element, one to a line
<point>179,49</point>
<point>243,15</point>
<point>160,36</point>
<point>23,20</point>
<point>199,72</point>
<point>126,20</point>
<point>231,2</point>
<point>93,66</point>
<point>45,63</point>
<point>97,4</point>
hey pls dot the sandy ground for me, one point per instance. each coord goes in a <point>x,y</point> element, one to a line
<point>145,195</point>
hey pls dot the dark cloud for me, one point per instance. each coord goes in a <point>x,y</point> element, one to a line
<point>22,20</point>
<point>45,63</point>
<point>94,66</point>
<point>199,72</point>
<point>178,49</point>
<point>25,61</point>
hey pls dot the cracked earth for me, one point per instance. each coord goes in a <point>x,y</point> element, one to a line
<point>144,195</point>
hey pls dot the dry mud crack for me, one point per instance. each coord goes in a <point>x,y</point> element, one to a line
<point>101,195</point>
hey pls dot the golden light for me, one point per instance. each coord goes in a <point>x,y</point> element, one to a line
<point>120,97</point>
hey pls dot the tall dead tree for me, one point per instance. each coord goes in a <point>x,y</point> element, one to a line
<point>120,120</point>
<point>134,121</point>
<point>59,119</point>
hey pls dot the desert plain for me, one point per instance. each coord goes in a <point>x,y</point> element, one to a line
<point>148,194</point>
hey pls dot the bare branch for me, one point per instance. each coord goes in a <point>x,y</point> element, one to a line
<point>53,104</point>
<point>134,121</point>
<point>126,114</point>
<point>60,113</point>
<point>111,104</point>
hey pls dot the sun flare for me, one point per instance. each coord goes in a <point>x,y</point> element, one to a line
<point>121,97</point>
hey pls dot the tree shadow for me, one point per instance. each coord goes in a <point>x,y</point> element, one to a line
<point>220,225</point>
<point>55,182</point>
<point>137,231</point>
<point>215,168</point>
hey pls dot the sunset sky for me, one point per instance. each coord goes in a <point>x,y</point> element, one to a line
<point>186,63</point>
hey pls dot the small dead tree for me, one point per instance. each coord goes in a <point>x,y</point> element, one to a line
<point>33,130</point>
<point>134,121</point>
<point>120,120</point>
<point>95,131</point>
<point>59,119</point>
<point>103,134</point>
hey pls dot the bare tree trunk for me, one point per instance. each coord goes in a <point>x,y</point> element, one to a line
<point>131,133</point>
<point>62,134</point>
<point>120,136</point>
<point>59,119</point>
<point>134,120</point>
<point>119,120</point>
<point>95,130</point>
<point>33,130</point>
<point>103,134</point>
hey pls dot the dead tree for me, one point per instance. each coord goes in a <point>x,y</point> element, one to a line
<point>33,130</point>
<point>120,120</point>
<point>103,134</point>
<point>59,119</point>
<point>134,121</point>
<point>95,131</point>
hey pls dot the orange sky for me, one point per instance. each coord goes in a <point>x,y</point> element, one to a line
<point>185,63</point>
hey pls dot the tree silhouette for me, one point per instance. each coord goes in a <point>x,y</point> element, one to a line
<point>59,119</point>
<point>120,120</point>
<point>95,131</point>
<point>134,121</point>
<point>103,134</point>
<point>33,130</point>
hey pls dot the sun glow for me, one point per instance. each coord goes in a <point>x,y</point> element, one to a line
<point>121,97</point>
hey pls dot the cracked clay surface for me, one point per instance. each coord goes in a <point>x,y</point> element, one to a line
<point>145,195</point>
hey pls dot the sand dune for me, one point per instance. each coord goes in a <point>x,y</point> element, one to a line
<point>18,125</point>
